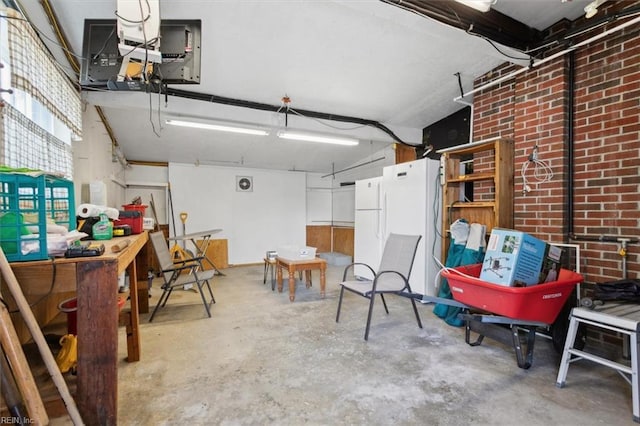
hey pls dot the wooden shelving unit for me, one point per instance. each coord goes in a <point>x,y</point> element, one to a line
<point>492,179</point>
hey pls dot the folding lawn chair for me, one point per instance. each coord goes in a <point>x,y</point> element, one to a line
<point>180,273</point>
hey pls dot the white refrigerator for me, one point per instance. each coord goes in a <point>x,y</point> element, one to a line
<point>368,234</point>
<point>412,204</point>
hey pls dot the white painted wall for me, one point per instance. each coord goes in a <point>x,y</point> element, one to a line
<point>145,181</point>
<point>270,216</point>
<point>319,197</point>
<point>343,206</point>
<point>329,203</point>
<point>274,214</point>
<point>319,206</point>
<point>368,167</point>
<point>92,161</point>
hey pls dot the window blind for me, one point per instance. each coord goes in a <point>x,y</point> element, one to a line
<point>35,72</point>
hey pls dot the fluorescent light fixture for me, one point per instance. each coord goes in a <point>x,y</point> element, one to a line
<point>306,137</point>
<point>481,5</point>
<point>218,127</point>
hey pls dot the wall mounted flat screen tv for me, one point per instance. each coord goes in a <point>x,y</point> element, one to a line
<point>180,46</point>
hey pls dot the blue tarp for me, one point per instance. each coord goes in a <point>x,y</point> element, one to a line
<point>467,248</point>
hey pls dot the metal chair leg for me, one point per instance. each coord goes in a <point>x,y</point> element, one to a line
<point>415,311</point>
<point>204,300</point>
<point>213,299</point>
<point>339,303</point>
<point>366,332</point>
<point>384,302</point>
<point>160,302</point>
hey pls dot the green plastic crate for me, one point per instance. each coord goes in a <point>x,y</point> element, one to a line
<point>27,203</point>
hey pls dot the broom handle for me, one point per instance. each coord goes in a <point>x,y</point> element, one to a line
<point>38,337</point>
<point>173,218</point>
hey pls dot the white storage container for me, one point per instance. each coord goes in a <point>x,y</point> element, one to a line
<point>296,252</point>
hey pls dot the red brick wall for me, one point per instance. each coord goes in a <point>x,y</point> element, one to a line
<point>533,109</point>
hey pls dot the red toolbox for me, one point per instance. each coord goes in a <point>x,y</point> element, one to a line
<point>133,218</point>
<point>539,303</point>
<point>135,207</point>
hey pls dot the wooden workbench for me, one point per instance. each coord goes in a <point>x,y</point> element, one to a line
<point>95,283</point>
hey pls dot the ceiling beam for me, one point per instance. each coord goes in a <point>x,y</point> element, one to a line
<point>206,97</point>
<point>493,25</point>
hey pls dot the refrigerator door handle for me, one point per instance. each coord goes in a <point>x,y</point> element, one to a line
<point>379,213</point>
<point>384,218</point>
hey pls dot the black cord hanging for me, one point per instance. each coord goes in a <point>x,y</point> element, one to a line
<point>460,84</point>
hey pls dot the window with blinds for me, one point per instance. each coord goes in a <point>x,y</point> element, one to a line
<point>43,113</point>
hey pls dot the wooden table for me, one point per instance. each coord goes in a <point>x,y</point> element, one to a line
<point>300,265</point>
<point>95,281</point>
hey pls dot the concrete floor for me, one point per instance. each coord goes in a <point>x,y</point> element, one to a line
<point>263,360</point>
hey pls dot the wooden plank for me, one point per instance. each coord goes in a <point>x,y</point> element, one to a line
<point>38,337</point>
<point>98,341</point>
<point>124,257</point>
<point>343,240</point>
<point>127,256</point>
<point>218,252</point>
<point>133,331</point>
<point>504,181</point>
<point>45,277</point>
<point>44,286</point>
<point>319,236</point>
<point>472,177</point>
<point>492,203</point>
<point>404,153</point>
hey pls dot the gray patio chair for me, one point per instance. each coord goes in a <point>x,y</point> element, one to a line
<point>392,276</point>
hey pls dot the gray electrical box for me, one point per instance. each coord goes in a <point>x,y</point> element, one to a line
<point>180,46</point>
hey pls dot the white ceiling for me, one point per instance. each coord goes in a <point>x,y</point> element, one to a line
<point>365,59</point>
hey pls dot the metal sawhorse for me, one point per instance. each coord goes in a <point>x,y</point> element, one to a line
<point>618,317</point>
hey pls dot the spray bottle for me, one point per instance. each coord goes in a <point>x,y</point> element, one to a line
<point>103,229</point>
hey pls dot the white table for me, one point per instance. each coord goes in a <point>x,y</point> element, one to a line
<point>201,249</point>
